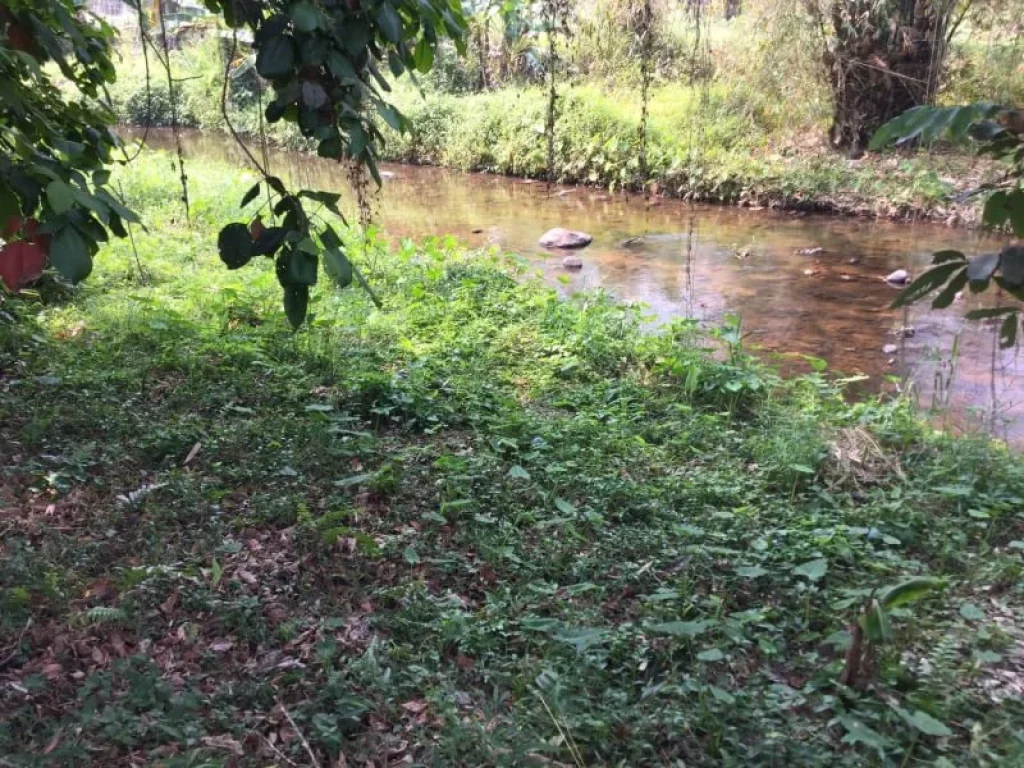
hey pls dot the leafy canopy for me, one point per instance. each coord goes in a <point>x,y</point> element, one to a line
<point>326,61</point>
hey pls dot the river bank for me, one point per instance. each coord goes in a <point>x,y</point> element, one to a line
<point>456,529</point>
<point>703,150</point>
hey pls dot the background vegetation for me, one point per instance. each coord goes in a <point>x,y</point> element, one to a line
<point>739,108</point>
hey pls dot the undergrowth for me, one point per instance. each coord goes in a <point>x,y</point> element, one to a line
<point>482,526</point>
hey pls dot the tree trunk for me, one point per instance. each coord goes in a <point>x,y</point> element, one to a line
<point>733,9</point>
<point>884,59</point>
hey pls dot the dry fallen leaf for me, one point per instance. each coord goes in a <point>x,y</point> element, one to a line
<point>247,577</point>
<point>221,645</point>
<point>192,453</point>
<point>415,706</point>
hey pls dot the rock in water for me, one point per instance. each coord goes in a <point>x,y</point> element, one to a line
<point>572,262</point>
<point>899,277</point>
<point>565,238</point>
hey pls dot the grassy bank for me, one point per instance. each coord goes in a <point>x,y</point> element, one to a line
<point>715,147</point>
<point>728,143</point>
<point>484,526</point>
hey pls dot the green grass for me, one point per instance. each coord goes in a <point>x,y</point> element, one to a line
<point>481,526</point>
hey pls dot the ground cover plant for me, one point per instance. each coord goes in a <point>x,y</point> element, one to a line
<point>482,525</point>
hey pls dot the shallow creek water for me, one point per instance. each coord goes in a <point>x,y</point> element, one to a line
<point>708,262</point>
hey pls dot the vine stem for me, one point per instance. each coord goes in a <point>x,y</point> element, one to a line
<point>180,150</point>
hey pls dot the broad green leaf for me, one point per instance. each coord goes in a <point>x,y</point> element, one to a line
<point>681,628</point>
<point>391,116</point>
<point>813,570</point>
<point>928,725</point>
<point>858,733</point>
<point>518,472</point>
<point>276,57</point>
<point>301,267</point>
<point>338,267</point>
<point>565,507</point>
<point>980,270</point>
<point>389,22</point>
<point>60,196</point>
<point>423,56</point>
<point>305,16</point>
<point>250,195</point>
<point>941,257</point>
<point>875,622</point>
<point>956,284</point>
<point>583,638</point>
<point>908,591</point>
<point>296,304</point>
<point>69,254</point>
<point>710,655</point>
<point>972,612</point>
<point>1012,265</point>
<point>411,556</point>
<point>235,245</point>
<point>926,283</point>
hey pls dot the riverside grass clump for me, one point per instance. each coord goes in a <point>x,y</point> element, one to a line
<point>484,525</point>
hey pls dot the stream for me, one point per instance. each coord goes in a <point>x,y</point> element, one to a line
<point>708,262</point>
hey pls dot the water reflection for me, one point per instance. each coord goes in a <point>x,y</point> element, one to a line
<point>707,261</point>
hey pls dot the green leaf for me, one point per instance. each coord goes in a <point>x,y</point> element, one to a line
<point>9,205</point>
<point>296,304</point>
<point>391,116</point>
<point>216,573</point>
<point>301,267</point>
<point>423,56</point>
<point>565,507</point>
<point>338,267</point>
<point>858,733</point>
<point>60,196</point>
<point>941,257</point>
<point>235,245</point>
<point>389,22</point>
<point>69,254</point>
<point>980,270</point>
<point>305,16</point>
<point>926,283</point>
<point>953,287</point>
<point>1012,265</point>
<point>972,612</point>
<point>411,556</point>
<point>582,638</point>
<point>1008,331</point>
<point>276,57</point>
<point>990,312</point>
<point>250,195</point>
<point>518,472</point>
<point>908,591</point>
<point>813,570</point>
<point>928,725</point>
<point>710,655</point>
<point>681,628</point>
<point>876,623</point>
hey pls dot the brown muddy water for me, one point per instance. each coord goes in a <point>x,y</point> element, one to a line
<point>709,262</point>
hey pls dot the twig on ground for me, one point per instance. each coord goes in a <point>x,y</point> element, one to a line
<point>291,722</point>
